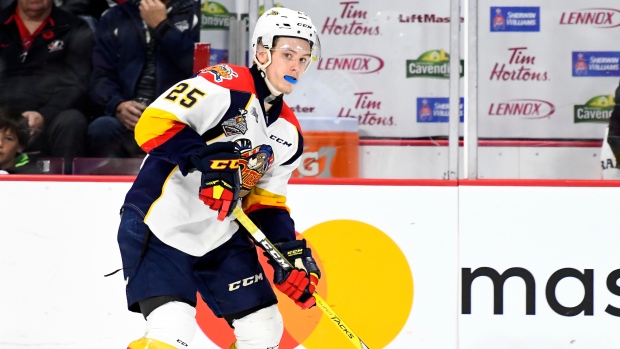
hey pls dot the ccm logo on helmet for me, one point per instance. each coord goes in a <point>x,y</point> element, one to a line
<point>304,25</point>
<point>245,282</point>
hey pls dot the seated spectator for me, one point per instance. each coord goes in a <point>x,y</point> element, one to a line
<point>45,63</point>
<point>142,48</point>
<point>14,136</point>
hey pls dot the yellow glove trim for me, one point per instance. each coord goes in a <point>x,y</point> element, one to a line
<point>218,190</point>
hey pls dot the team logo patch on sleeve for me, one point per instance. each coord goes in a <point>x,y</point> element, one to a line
<point>221,72</point>
<point>237,125</point>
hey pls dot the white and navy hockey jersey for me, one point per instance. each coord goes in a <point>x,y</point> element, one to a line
<point>220,104</point>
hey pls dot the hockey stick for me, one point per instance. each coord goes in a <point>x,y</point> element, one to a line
<point>277,256</point>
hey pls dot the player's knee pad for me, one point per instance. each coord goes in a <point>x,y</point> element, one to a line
<point>173,323</point>
<point>259,330</point>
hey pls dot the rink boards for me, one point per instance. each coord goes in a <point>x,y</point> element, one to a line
<point>407,264</point>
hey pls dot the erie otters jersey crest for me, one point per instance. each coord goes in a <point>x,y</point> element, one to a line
<point>222,103</point>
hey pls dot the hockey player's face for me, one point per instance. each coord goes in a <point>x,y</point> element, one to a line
<point>289,59</point>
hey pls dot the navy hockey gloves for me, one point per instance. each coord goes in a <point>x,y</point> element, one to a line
<point>300,283</point>
<point>221,177</point>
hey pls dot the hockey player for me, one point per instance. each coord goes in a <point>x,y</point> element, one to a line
<point>610,152</point>
<point>220,139</point>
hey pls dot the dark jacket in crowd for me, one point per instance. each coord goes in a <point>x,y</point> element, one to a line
<point>120,50</point>
<point>26,164</point>
<point>53,75</point>
<point>92,8</point>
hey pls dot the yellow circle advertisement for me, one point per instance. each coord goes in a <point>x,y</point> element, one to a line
<point>366,280</point>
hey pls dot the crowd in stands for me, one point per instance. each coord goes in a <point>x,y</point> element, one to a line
<point>75,75</point>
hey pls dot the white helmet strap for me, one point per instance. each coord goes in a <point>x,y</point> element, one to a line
<point>262,68</point>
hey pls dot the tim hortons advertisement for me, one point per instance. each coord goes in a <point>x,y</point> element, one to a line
<point>537,273</point>
<point>537,64</point>
<point>368,71</point>
<point>554,51</point>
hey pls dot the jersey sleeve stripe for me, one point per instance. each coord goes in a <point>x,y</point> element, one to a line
<point>247,106</point>
<point>155,127</point>
<point>300,149</point>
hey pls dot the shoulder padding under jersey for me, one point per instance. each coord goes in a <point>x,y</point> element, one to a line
<point>232,77</point>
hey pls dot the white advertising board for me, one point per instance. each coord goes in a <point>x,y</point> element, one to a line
<point>556,248</point>
<point>388,255</point>
<point>468,267</point>
<point>384,64</point>
<point>546,70</point>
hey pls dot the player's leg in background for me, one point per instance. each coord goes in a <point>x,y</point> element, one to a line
<point>614,126</point>
<point>610,151</point>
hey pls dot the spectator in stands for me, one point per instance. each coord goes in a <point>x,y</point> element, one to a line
<point>142,48</point>
<point>45,63</point>
<point>14,136</point>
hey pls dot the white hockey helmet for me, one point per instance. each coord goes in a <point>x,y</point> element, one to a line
<point>280,21</point>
